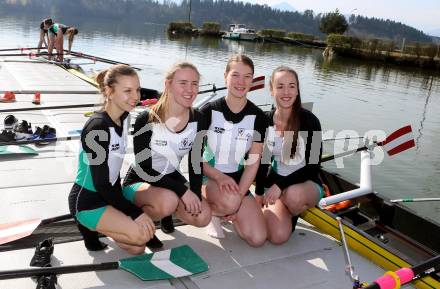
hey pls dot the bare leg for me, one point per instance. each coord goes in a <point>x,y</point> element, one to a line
<point>250,224</point>
<point>201,220</point>
<point>156,202</point>
<point>278,223</point>
<point>299,197</point>
<point>221,203</point>
<point>59,46</point>
<point>123,230</point>
<point>51,45</point>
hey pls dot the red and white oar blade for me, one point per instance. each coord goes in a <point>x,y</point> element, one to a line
<point>257,83</point>
<point>399,141</point>
<point>16,230</point>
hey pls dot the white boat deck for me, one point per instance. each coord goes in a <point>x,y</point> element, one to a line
<point>38,186</point>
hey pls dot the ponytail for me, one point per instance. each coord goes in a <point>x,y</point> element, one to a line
<point>108,77</point>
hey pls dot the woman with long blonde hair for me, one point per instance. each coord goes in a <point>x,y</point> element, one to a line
<point>163,135</point>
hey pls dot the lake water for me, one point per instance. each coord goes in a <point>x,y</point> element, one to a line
<point>347,94</point>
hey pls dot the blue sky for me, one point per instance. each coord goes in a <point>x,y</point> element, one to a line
<point>420,14</point>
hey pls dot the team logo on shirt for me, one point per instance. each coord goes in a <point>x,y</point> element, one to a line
<point>160,142</point>
<point>185,144</point>
<point>115,147</point>
<point>219,129</point>
<point>243,134</point>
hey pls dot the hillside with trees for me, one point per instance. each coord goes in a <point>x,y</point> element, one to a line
<point>222,11</point>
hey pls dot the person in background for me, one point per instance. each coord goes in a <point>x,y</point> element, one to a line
<point>56,37</point>
<point>44,37</point>
<point>291,183</point>
<point>96,200</point>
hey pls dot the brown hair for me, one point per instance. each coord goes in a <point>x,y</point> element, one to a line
<point>162,105</point>
<point>71,32</point>
<point>293,121</point>
<point>239,58</point>
<point>108,77</point>
<point>48,21</point>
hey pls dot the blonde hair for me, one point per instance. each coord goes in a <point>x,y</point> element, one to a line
<point>109,77</point>
<point>159,109</point>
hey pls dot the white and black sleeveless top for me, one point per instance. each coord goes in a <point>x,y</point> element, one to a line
<point>284,169</point>
<point>230,135</point>
<point>159,151</point>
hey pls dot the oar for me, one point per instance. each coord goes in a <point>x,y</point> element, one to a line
<point>141,103</point>
<point>30,54</point>
<point>258,83</point>
<point>19,229</point>
<point>398,141</point>
<point>96,58</point>
<point>6,150</point>
<point>22,48</point>
<point>412,200</point>
<point>172,263</point>
<point>40,141</point>
<point>403,276</point>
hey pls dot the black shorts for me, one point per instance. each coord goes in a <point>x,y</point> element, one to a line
<point>235,175</point>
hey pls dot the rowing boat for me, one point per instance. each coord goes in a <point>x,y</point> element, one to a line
<point>389,234</point>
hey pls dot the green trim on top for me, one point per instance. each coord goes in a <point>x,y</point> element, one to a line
<point>208,155</point>
<point>84,176</point>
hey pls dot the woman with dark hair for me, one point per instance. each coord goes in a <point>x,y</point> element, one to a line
<point>56,37</point>
<point>232,154</point>
<point>290,184</point>
<point>96,200</point>
<point>43,35</point>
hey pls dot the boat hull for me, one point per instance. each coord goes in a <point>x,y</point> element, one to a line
<point>372,232</point>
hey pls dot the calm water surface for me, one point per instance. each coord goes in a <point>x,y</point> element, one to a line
<point>347,94</point>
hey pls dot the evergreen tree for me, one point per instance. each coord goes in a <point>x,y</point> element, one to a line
<point>333,22</point>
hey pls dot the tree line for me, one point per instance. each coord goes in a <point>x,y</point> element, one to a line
<point>224,12</point>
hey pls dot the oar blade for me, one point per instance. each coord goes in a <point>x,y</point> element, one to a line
<point>258,83</point>
<point>399,141</point>
<point>173,263</point>
<point>16,230</point>
<point>6,150</point>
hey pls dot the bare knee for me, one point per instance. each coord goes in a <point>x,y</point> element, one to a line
<point>135,250</point>
<point>254,237</point>
<point>256,240</point>
<point>229,204</point>
<point>277,236</point>
<point>164,206</point>
<point>136,239</point>
<point>295,202</point>
<point>203,220</point>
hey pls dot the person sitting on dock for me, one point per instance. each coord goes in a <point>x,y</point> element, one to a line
<point>232,154</point>
<point>163,135</point>
<point>43,35</point>
<point>293,150</point>
<point>96,200</point>
<point>56,37</point>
